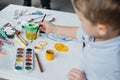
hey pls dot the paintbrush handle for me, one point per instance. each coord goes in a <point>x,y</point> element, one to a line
<point>22,39</point>
<point>39,64</point>
<point>42,21</point>
<point>17,38</point>
<point>43,17</point>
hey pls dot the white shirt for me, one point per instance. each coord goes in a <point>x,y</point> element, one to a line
<point>100,60</point>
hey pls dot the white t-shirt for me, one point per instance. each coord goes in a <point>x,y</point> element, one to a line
<point>100,60</point>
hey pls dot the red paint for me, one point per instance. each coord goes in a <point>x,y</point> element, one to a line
<point>19,56</point>
<point>28,59</point>
<point>20,49</point>
<point>28,56</point>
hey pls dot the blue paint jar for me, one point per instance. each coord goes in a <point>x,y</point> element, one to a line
<point>9,32</point>
<point>10,35</point>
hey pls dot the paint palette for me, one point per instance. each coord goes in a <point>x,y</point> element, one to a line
<point>24,59</point>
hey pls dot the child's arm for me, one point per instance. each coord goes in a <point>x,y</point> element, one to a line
<point>57,29</point>
<point>76,74</point>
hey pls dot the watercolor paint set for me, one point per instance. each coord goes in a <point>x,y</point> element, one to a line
<point>24,59</point>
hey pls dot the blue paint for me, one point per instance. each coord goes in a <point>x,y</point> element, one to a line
<point>18,68</point>
<point>10,36</point>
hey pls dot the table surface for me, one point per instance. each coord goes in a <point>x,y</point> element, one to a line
<point>56,69</point>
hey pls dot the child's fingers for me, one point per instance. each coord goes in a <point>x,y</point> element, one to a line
<point>71,77</point>
<point>42,22</point>
<point>74,77</point>
<point>46,26</point>
<point>76,71</point>
<point>42,27</point>
<point>76,74</point>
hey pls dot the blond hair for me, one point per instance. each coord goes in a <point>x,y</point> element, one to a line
<point>100,11</point>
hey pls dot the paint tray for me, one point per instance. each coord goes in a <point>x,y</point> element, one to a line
<point>24,59</point>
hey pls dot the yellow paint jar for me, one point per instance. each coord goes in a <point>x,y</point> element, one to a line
<point>49,55</point>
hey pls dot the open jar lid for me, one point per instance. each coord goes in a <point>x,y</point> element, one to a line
<point>31,26</point>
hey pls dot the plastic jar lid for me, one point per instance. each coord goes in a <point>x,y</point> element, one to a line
<point>31,26</point>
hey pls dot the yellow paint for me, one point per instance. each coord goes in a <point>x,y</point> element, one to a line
<point>49,55</point>
<point>19,59</point>
<point>61,47</point>
<point>43,43</point>
<point>39,47</point>
<point>31,35</point>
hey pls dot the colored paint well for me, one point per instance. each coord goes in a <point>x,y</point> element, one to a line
<point>29,49</point>
<point>19,52</point>
<point>18,68</point>
<point>28,68</point>
<point>28,60</point>
<point>19,56</point>
<point>28,64</point>
<point>20,49</point>
<point>19,59</point>
<point>28,56</point>
<point>28,52</point>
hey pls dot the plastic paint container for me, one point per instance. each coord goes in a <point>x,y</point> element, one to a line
<point>9,32</point>
<point>49,55</point>
<point>31,29</point>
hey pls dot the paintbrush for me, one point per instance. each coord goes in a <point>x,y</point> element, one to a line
<point>41,21</point>
<point>38,28</point>
<point>40,25</point>
<point>39,64</point>
<point>33,19</point>
<point>21,38</point>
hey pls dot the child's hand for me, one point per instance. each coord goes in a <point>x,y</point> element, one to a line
<point>46,26</point>
<point>75,74</point>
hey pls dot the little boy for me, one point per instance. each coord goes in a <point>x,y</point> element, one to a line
<point>101,33</point>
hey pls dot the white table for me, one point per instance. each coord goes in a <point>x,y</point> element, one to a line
<point>56,69</point>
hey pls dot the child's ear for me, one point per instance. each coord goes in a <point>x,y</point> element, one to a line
<point>102,29</point>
